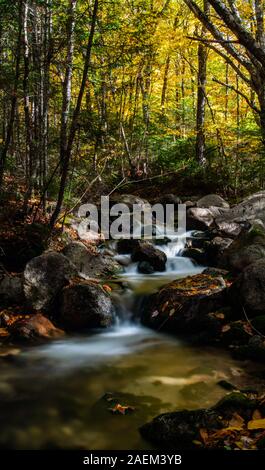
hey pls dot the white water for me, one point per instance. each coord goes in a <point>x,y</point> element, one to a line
<point>177,266</point>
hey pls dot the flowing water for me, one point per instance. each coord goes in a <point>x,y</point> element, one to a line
<point>61,395</point>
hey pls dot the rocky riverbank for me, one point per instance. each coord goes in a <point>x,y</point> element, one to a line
<point>69,289</point>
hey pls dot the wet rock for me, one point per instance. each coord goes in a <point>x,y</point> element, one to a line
<point>248,292</point>
<point>197,254</point>
<point>248,248</point>
<point>145,268</point>
<point>90,264</point>
<point>11,290</point>
<point>235,402</point>
<point>183,305</point>
<point>35,328</point>
<point>127,246</point>
<point>215,249</point>
<point>85,305</point>
<point>123,260</point>
<point>145,251</point>
<point>199,219</point>
<point>44,277</point>
<point>180,428</point>
<point>199,239</point>
<point>255,349</point>
<point>212,200</point>
<point>226,385</point>
<point>236,333</point>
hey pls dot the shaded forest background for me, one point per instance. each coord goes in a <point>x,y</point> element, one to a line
<point>98,93</point>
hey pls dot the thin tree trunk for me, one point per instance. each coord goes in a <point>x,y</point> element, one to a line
<point>201,96</point>
<point>74,122</point>
<point>67,84</point>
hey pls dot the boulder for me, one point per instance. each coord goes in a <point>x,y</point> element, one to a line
<point>215,249</point>
<point>180,428</point>
<point>145,268</point>
<point>90,264</point>
<point>145,251</point>
<point>11,290</point>
<point>197,254</point>
<point>44,277</point>
<point>199,218</point>
<point>212,200</point>
<point>35,328</point>
<point>129,200</point>
<point>250,209</point>
<point>248,248</point>
<point>248,291</point>
<point>85,305</point>
<point>127,245</point>
<point>228,229</point>
<point>183,305</point>
<point>169,199</point>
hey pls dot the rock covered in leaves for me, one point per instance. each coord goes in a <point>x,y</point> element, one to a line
<point>44,277</point>
<point>85,305</point>
<point>183,305</point>
<point>90,264</point>
<point>35,328</point>
<point>145,251</point>
<point>180,428</point>
<point>235,422</point>
<point>246,249</point>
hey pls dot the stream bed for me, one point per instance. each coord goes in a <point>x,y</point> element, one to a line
<point>60,395</point>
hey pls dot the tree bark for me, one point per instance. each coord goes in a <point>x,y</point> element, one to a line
<point>201,96</point>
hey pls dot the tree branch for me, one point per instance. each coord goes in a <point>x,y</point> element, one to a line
<point>231,87</point>
<point>218,35</point>
<point>234,24</point>
<point>224,56</point>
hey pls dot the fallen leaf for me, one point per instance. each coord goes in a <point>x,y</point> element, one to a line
<point>122,410</point>
<point>256,424</point>
<point>107,288</point>
<point>237,421</point>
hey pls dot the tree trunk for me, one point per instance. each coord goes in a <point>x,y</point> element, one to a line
<point>201,96</point>
<point>74,122</point>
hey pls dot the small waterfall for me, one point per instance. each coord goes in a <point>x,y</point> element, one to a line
<point>177,266</point>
